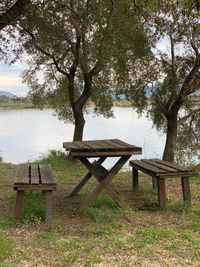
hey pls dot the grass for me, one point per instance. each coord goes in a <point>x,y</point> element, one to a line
<point>6,247</point>
<point>103,235</point>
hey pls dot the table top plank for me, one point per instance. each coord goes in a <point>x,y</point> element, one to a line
<point>117,145</point>
<point>100,146</point>
<point>94,145</point>
<point>121,143</point>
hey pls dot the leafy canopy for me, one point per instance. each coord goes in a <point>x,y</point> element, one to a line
<point>95,36</point>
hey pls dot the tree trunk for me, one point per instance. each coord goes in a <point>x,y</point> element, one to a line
<point>170,144</point>
<point>78,105</point>
<point>79,123</point>
<point>77,110</point>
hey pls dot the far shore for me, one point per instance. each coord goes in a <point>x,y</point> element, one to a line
<point>117,103</point>
<point>10,105</point>
<point>29,105</point>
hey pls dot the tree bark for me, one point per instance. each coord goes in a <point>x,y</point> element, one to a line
<point>79,122</point>
<point>170,144</point>
<point>78,107</point>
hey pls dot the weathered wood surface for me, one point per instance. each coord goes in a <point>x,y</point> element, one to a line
<point>186,190</point>
<point>19,204</point>
<point>101,149</point>
<point>48,206</point>
<point>171,164</point>
<point>161,192</point>
<point>137,164</point>
<point>111,147</point>
<point>33,176</point>
<point>160,168</point>
<point>22,174</point>
<point>104,184</point>
<point>85,179</point>
<point>99,154</point>
<point>100,173</point>
<point>35,187</point>
<point>46,174</point>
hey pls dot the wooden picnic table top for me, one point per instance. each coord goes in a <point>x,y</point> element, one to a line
<point>95,148</point>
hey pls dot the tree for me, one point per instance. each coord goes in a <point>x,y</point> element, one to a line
<point>11,10</point>
<point>175,72</point>
<point>188,143</point>
<point>181,71</point>
<point>72,43</point>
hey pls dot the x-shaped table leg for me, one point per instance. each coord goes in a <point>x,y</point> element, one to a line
<point>100,173</point>
<point>85,179</point>
<point>104,181</point>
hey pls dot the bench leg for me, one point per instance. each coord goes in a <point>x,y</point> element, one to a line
<point>154,182</point>
<point>48,205</point>
<point>186,190</point>
<point>161,192</point>
<point>19,204</point>
<point>134,179</point>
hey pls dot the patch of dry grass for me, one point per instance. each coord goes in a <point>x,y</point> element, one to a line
<point>139,235</point>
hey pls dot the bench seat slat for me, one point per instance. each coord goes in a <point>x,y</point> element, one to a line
<point>22,174</point>
<point>34,174</point>
<point>160,166</point>
<point>46,174</point>
<point>173,165</point>
<point>141,165</point>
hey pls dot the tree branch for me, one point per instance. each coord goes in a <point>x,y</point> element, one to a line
<point>71,9</point>
<point>195,4</point>
<point>98,66</point>
<point>189,115</point>
<point>186,84</point>
<point>172,54</point>
<point>140,10</point>
<point>75,63</point>
<point>47,54</point>
<point>13,13</point>
<point>194,48</point>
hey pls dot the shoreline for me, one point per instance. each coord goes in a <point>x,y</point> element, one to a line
<point>116,103</point>
<point>17,106</point>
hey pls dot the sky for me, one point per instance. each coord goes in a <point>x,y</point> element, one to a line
<point>10,79</point>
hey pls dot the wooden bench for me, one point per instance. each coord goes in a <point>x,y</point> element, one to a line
<point>34,177</point>
<point>160,170</point>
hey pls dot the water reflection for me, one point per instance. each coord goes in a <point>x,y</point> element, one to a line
<point>26,134</point>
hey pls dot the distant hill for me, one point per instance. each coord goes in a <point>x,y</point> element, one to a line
<point>7,94</point>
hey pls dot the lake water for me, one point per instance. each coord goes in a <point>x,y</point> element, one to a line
<point>27,134</point>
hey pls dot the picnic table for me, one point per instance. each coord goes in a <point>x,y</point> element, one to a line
<point>101,149</point>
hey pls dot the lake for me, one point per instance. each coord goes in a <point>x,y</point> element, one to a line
<point>27,134</point>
